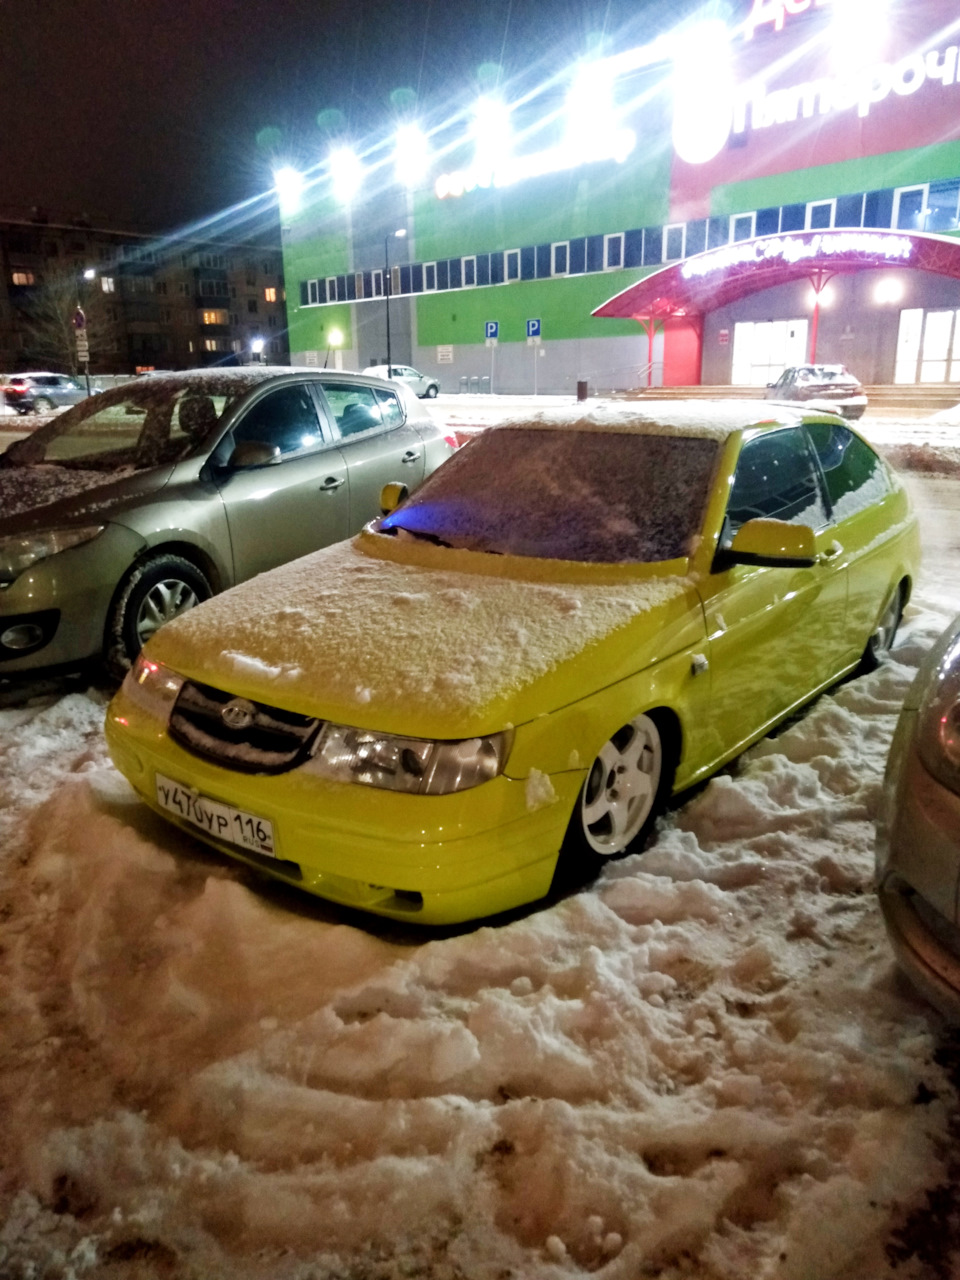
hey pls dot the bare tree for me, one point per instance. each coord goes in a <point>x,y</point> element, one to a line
<point>50,330</point>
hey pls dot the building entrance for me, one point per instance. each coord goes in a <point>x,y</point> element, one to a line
<point>763,349</point>
<point>928,346</point>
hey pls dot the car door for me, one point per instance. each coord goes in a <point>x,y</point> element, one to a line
<point>775,633</point>
<point>860,495</point>
<point>297,503</point>
<point>376,442</point>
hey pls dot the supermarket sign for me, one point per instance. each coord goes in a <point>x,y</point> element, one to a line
<point>842,245</point>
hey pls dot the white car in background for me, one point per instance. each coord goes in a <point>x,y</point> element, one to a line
<point>418,383</point>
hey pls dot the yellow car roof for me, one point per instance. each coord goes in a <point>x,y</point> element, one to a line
<point>706,419</point>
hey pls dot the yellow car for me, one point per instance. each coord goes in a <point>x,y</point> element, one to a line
<point>496,686</point>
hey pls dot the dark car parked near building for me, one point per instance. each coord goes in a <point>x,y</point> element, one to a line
<point>125,511</point>
<point>41,392</point>
<point>820,386</point>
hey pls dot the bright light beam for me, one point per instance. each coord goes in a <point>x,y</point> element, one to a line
<point>288,184</point>
<point>346,174</point>
<point>411,156</point>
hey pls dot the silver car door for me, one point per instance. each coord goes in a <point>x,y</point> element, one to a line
<point>377,444</point>
<point>300,501</point>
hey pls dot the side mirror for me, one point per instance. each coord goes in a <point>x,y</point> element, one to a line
<point>391,495</point>
<point>771,542</point>
<point>253,453</point>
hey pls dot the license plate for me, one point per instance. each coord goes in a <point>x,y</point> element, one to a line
<point>222,821</point>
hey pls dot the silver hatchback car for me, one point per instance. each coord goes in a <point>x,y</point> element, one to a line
<point>918,829</point>
<point>421,384</point>
<point>136,505</point>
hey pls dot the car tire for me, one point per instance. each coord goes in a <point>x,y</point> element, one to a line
<point>43,404</point>
<point>623,794</point>
<point>431,392</point>
<point>881,639</point>
<point>157,590</point>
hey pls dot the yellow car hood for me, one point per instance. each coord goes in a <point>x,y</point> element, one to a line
<point>427,641</point>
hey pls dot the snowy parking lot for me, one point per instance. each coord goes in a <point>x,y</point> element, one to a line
<point>704,1065</point>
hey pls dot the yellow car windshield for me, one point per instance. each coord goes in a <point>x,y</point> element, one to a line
<point>596,496</point>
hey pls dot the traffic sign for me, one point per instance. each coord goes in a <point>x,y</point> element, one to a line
<point>533,329</point>
<point>491,329</point>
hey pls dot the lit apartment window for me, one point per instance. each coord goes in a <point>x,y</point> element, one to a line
<point>22,277</point>
<point>107,284</point>
<point>270,294</point>
<point>215,317</point>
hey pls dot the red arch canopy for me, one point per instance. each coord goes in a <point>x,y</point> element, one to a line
<point>719,276</point>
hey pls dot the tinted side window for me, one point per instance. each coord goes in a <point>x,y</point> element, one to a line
<point>285,418</point>
<point>855,476</point>
<point>776,478</point>
<point>355,408</point>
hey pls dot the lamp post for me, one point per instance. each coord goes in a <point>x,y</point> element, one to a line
<point>386,286</point>
<point>80,328</point>
<point>256,348</point>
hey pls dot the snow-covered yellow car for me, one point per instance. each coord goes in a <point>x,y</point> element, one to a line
<point>497,685</point>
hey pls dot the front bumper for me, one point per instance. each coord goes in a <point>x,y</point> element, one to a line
<point>430,859</point>
<point>918,872</point>
<point>78,586</point>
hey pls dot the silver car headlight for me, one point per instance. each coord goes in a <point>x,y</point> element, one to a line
<point>938,730</point>
<point>152,687</point>
<point>19,552</point>
<point>417,765</point>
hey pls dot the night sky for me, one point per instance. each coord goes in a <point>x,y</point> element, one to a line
<point>149,115</point>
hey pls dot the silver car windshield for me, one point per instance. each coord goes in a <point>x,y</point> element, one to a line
<point>144,423</point>
<point>597,496</point>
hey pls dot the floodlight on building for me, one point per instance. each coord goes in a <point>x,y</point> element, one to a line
<point>288,184</point>
<point>411,155</point>
<point>346,174</point>
<point>703,92</point>
<point>492,137</point>
<point>90,273</point>
<point>889,289</point>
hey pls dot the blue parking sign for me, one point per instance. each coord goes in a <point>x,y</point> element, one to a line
<point>533,328</point>
<point>491,329</point>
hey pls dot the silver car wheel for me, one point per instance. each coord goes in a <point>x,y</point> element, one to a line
<point>165,600</point>
<point>622,787</point>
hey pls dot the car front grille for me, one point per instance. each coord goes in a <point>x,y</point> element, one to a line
<point>245,736</point>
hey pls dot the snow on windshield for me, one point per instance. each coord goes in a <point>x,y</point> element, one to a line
<point>568,495</point>
<point>143,423</point>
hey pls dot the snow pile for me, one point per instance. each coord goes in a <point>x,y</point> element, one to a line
<point>704,1065</point>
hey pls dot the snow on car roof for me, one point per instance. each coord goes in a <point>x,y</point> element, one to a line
<point>708,419</point>
<point>339,626</point>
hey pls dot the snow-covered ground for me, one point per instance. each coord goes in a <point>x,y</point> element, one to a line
<point>705,1065</point>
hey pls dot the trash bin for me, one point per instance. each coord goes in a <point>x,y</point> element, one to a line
<point>464,384</point>
<point>475,385</point>
<point>485,385</point>
<point>582,390</point>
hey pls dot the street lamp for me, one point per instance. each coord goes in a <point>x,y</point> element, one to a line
<point>386,286</point>
<point>256,347</point>
<point>334,339</point>
<point>80,327</point>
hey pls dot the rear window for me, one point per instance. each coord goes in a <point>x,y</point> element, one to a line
<point>566,495</point>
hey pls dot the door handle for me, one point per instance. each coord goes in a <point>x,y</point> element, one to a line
<point>830,553</point>
<point>412,455</point>
<point>331,483</point>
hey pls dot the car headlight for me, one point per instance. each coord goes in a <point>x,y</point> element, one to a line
<point>152,687</point>
<point>417,765</point>
<point>22,550</point>
<point>938,729</point>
